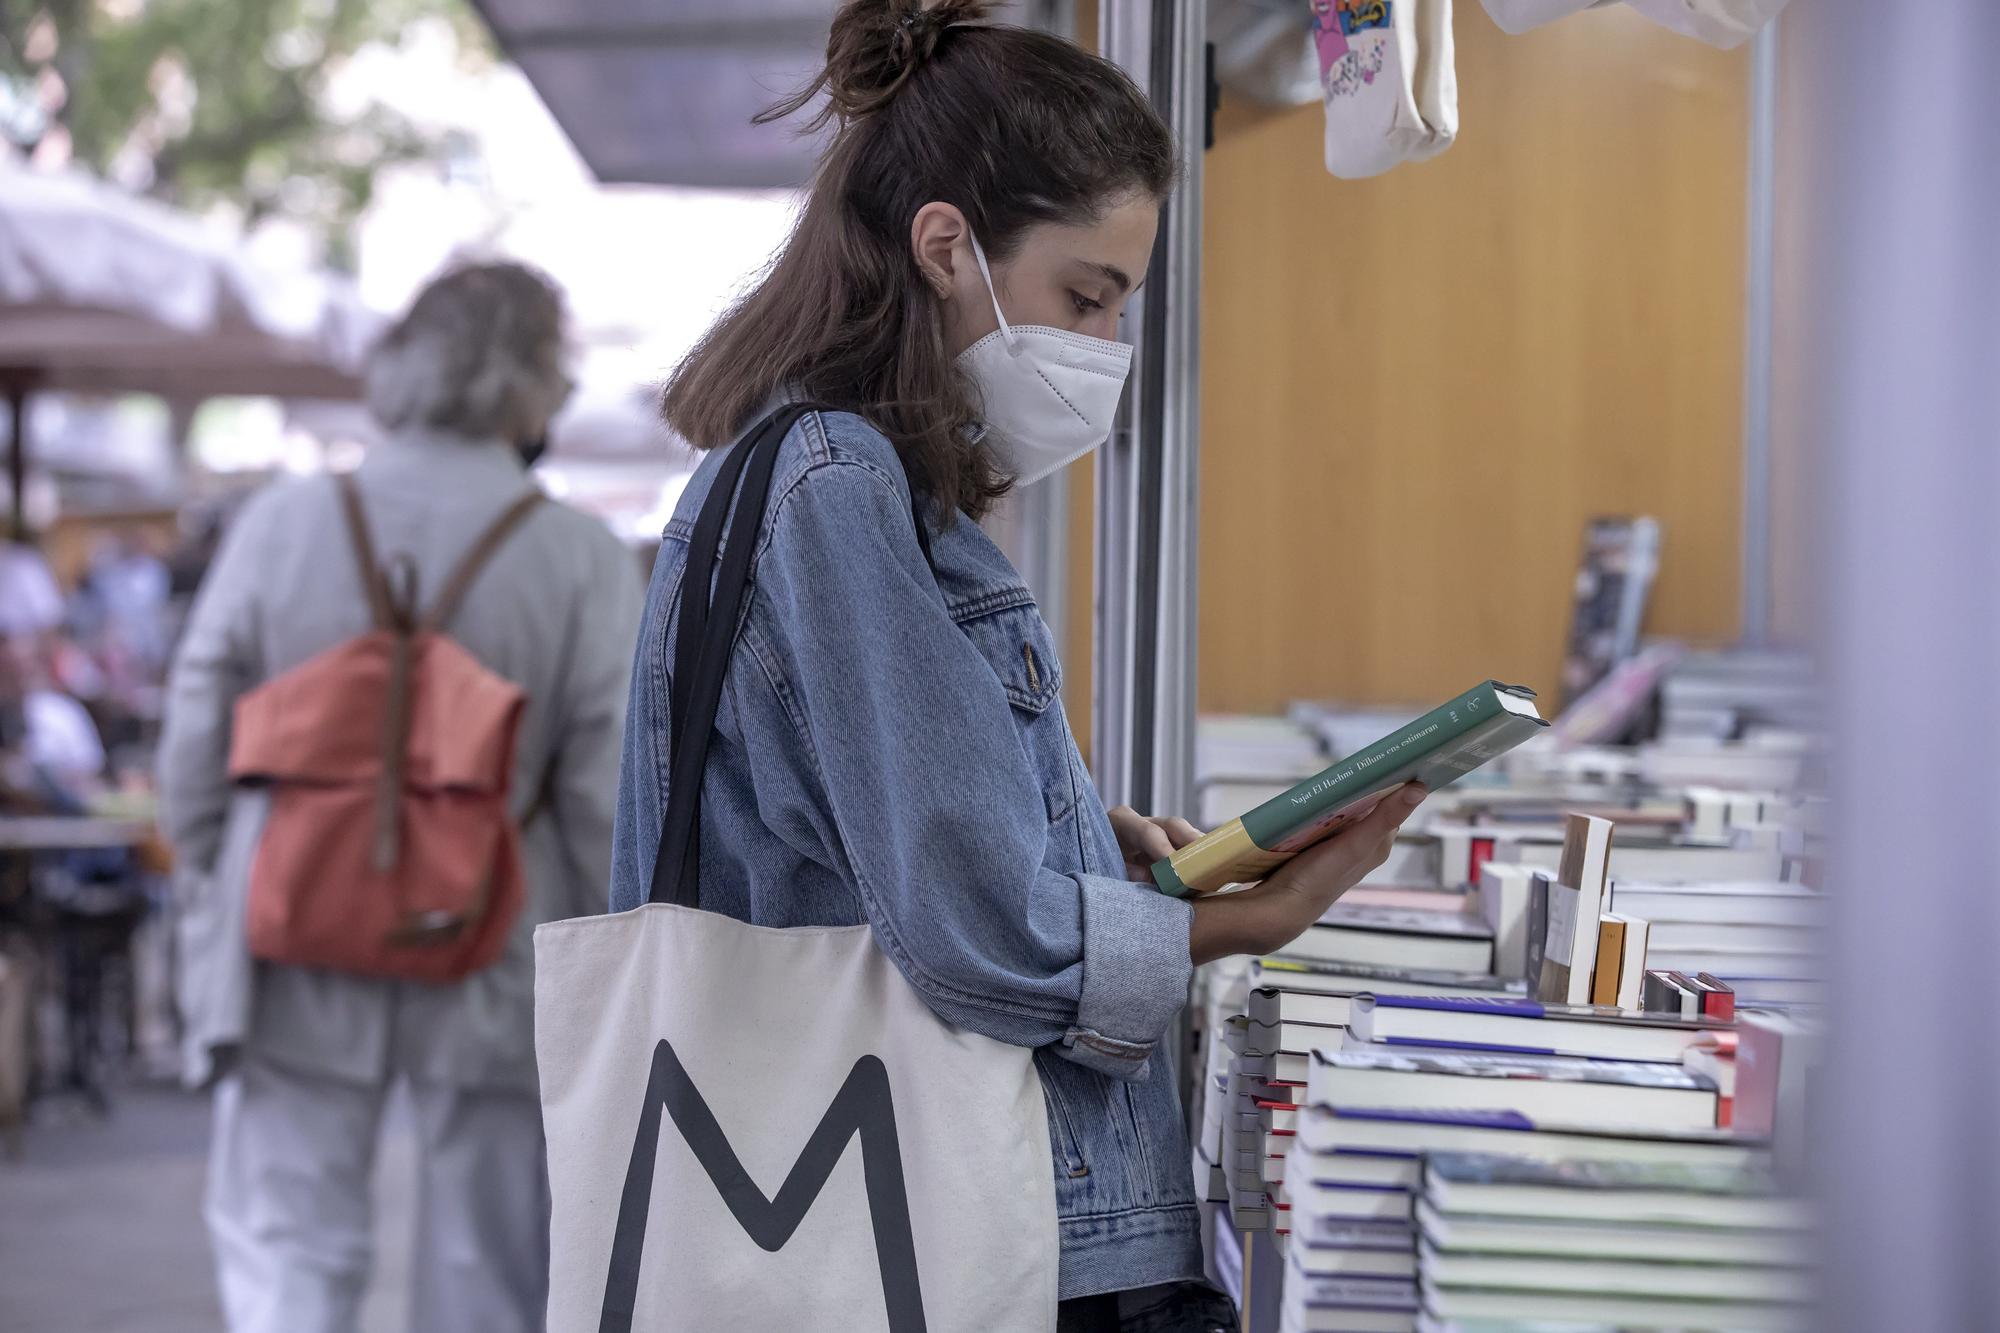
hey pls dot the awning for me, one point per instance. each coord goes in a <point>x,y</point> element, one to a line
<point>103,291</point>
<point>661,92</point>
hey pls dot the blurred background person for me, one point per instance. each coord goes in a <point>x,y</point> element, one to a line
<point>54,757</point>
<point>31,601</point>
<point>467,380</point>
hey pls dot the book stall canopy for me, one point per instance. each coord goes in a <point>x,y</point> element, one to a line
<point>662,92</point>
<point>100,291</point>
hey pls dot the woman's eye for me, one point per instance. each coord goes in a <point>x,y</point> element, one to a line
<point>1084,305</point>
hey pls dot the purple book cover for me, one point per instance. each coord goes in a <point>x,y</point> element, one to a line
<point>1330,1186</point>
<point>1466,1119</point>
<point>1519,1008</point>
<point>1360,1293</point>
<point>1481,1064</point>
<point>1470,1004</point>
<point>1516,1122</point>
<point>1392,1237</point>
<point>1487,1047</point>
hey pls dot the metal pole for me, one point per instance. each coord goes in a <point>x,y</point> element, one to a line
<point>1760,279</point>
<point>1032,527</point>
<point>1143,719</point>
<point>1047,533</point>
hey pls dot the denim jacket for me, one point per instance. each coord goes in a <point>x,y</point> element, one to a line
<point>891,748</point>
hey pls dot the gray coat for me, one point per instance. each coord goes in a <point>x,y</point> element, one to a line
<point>556,610</point>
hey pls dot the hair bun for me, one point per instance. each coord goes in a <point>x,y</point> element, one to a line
<point>872,48</point>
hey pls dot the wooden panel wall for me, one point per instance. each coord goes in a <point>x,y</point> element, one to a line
<point>1417,388</point>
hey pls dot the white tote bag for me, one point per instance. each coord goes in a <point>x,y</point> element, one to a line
<point>765,1129</point>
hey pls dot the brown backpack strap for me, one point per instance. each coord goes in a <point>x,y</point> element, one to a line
<point>474,560</point>
<point>372,584</point>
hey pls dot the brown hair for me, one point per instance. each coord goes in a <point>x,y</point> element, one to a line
<point>1013,127</point>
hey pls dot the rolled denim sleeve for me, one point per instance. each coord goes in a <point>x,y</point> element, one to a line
<point>934,807</point>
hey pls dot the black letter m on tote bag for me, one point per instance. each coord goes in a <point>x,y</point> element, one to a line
<point>862,1107</point>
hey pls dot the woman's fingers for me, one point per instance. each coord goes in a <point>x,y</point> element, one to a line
<point>1141,840</point>
<point>1150,839</point>
<point>1153,842</point>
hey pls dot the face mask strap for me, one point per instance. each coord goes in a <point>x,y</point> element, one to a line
<point>986,274</point>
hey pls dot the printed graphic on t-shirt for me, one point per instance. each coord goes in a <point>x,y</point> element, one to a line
<point>1358,68</point>
<point>1361,15</point>
<point>1329,35</point>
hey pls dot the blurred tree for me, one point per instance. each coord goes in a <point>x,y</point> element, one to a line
<point>195,101</point>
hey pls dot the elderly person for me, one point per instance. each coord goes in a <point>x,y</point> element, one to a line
<point>463,385</point>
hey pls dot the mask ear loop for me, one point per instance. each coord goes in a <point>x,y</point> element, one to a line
<point>986,274</point>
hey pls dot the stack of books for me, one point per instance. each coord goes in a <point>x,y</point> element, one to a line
<point>1218,997</point>
<point>1254,1093</point>
<point>1725,695</point>
<point>1243,761</point>
<point>1346,1152</point>
<point>1765,940</point>
<point>1625,1244</point>
<point>1477,1071</point>
<point>1778,1058</point>
<point>1776,762</point>
<point>1295,1006</point>
<point>1449,940</point>
<point>1349,1187</point>
<point>1524,1077</point>
<point>1651,850</point>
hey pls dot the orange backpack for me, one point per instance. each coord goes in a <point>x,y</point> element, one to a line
<point>389,850</point>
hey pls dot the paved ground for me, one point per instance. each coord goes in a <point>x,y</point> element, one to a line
<point>100,1221</point>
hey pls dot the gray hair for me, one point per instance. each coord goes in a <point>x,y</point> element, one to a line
<point>479,354</point>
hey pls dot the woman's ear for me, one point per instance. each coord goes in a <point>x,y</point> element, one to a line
<point>940,242</point>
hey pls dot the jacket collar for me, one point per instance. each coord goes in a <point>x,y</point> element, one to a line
<point>426,449</point>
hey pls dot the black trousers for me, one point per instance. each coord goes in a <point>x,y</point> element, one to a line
<point>1184,1308</point>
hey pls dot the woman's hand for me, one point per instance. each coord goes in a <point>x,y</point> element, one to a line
<point>1267,916</point>
<point>1144,840</point>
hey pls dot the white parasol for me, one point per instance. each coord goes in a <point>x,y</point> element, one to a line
<point>103,291</point>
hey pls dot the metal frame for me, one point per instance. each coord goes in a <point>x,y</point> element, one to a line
<point>1032,527</point>
<point>1147,473</point>
<point>1758,300</point>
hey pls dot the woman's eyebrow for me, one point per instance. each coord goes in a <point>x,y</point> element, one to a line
<point>1111,273</point>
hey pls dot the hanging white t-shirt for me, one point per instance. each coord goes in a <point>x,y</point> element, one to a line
<point>1723,23</point>
<point>1437,78</point>
<point>1515,17</point>
<point>1375,82</point>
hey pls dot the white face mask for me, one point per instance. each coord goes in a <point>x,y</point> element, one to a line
<point>1047,395</point>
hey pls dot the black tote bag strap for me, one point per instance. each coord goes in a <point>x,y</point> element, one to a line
<point>707,633</point>
<point>701,658</point>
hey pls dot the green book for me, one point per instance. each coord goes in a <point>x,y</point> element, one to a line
<point>1436,750</point>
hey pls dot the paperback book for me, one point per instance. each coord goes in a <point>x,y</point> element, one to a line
<point>1642,1096</point>
<point>1527,1027</point>
<point>1397,1133</point>
<point>1398,937</point>
<point>1289,974</point>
